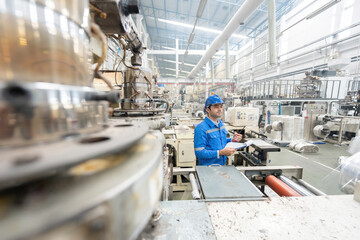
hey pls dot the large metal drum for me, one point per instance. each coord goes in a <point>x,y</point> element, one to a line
<point>45,41</point>
<point>45,72</point>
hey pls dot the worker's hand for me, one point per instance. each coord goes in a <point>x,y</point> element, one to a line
<point>237,137</point>
<point>227,151</point>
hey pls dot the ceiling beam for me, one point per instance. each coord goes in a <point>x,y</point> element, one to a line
<point>182,52</point>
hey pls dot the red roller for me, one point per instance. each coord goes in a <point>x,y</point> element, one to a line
<point>280,187</point>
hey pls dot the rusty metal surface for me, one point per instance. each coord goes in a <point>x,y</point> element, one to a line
<point>123,189</point>
<point>23,164</point>
<point>181,220</point>
<point>226,183</point>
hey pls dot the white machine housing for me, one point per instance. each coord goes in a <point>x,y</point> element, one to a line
<point>247,117</point>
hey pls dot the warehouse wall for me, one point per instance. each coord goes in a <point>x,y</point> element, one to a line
<point>251,62</point>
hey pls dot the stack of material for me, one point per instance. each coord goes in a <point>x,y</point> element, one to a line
<point>302,146</point>
<point>290,129</point>
<point>354,146</point>
<point>350,173</point>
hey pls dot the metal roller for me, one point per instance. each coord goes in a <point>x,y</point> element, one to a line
<point>300,189</point>
<point>280,187</point>
<point>314,190</point>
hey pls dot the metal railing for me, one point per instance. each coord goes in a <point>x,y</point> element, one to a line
<point>273,89</point>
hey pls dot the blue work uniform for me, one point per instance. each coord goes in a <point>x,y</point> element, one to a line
<point>208,140</point>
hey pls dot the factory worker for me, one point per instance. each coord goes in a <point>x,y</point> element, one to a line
<point>210,135</point>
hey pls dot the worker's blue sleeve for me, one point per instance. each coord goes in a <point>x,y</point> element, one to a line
<point>228,140</point>
<point>200,141</point>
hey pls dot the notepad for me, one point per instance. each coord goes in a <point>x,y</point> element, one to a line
<point>237,145</point>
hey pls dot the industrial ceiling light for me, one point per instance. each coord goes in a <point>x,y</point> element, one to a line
<point>168,48</point>
<point>170,61</point>
<point>198,28</point>
<point>173,75</point>
<point>172,69</point>
<point>322,9</point>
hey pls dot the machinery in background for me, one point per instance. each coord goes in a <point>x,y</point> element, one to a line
<point>256,154</point>
<point>195,109</point>
<point>336,129</point>
<point>180,139</point>
<point>309,86</point>
<point>180,142</point>
<point>245,117</point>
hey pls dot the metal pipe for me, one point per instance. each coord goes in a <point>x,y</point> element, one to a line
<point>300,189</point>
<point>314,190</point>
<point>195,191</point>
<point>248,7</point>
<point>280,187</point>
<point>272,32</point>
<point>227,59</point>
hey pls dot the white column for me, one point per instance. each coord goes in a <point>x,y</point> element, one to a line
<point>177,57</point>
<point>227,59</point>
<point>212,72</point>
<point>272,32</point>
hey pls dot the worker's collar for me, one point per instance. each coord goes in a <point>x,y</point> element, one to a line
<point>211,121</point>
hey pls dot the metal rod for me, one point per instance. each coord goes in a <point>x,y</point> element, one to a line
<point>314,190</point>
<point>300,189</point>
<point>195,191</point>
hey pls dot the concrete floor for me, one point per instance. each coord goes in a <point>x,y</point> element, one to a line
<point>319,169</point>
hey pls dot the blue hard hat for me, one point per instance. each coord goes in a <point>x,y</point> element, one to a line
<point>213,99</point>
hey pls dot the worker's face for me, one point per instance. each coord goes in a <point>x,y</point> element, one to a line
<point>215,111</point>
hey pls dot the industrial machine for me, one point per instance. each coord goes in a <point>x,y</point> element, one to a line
<point>246,117</point>
<point>181,141</point>
<point>67,171</point>
<point>256,154</point>
<point>336,129</point>
<point>251,194</point>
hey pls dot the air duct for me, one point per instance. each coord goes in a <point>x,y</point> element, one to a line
<point>239,18</point>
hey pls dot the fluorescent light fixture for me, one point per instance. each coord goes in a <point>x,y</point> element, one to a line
<point>188,64</point>
<point>201,8</point>
<point>168,48</point>
<point>174,75</point>
<point>198,28</point>
<point>322,9</point>
<point>172,69</point>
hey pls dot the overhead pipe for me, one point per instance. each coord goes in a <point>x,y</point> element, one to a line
<point>272,32</point>
<point>280,187</point>
<point>248,7</point>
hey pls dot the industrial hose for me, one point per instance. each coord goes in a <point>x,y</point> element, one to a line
<point>164,101</point>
